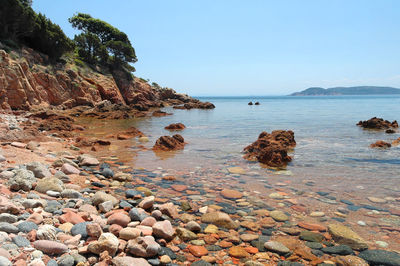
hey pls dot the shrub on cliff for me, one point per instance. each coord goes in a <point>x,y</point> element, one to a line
<point>101,43</point>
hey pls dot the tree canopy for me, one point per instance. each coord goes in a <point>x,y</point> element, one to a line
<point>101,43</point>
<point>21,25</point>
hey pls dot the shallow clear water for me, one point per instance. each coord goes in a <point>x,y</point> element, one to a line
<point>328,141</point>
<point>331,149</point>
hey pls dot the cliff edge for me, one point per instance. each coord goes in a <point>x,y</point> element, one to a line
<point>27,80</point>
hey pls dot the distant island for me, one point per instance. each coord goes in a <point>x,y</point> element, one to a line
<point>359,90</point>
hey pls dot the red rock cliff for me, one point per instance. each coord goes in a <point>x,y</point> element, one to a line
<point>26,81</point>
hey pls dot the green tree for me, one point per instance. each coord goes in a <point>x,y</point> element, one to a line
<point>21,25</point>
<point>16,17</point>
<point>49,38</point>
<point>102,43</point>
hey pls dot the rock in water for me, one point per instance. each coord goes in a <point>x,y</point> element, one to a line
<point>380,257</point>
<point>381,144</point>
<point>271,149</point>
<point>377,123</point>
<point>167,143</point>
<point>220,219</point>
<point>344,235</point>
<point>177,126</point>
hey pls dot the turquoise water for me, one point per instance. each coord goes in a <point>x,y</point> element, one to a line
<point>328,141</point>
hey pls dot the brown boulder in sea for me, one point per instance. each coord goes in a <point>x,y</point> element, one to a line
<point>196,105</point>
<point>271,149</point>
<point>177,126</point>
<point>396,142</point>
<point>377,123</point>
<point>167,143</point>
<point>381,144</point>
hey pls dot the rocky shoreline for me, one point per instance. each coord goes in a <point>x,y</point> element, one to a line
<point>62,205</point>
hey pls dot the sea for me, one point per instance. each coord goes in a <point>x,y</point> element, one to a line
<point>330,146</point>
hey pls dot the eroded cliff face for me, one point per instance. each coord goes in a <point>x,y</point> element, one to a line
<point>27,82</point>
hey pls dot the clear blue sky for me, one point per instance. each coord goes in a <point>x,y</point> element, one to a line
<point>254,47</point>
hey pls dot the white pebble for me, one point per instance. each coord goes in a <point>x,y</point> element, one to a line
<point>362,223</point>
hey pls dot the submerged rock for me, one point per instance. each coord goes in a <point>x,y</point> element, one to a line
<point>380,257</point>
<point>344,235</point>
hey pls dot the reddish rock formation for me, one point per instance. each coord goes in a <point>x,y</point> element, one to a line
<point>271,149</point>
<point>167,143</point>
<point>378,123</point>
<point>381,144</point>
<point>177,126</point>
<point>27,81</point>
<point>196,105</point>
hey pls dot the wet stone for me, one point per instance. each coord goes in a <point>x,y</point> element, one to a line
<point>317,252</point>
<point>340,250</point>
<point>201,263</point>
<point>311,236</point>
<point>314,245</point>
<point>213,248</point>
<point>353,207</point>
<point>276,247</point>
<point>380,257</point>
<point>341,220</point>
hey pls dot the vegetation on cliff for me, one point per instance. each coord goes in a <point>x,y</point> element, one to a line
<point>98,44</point>
<point>20,25</point>
<point>101,43</point>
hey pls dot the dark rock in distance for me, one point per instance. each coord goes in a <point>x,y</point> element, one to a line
<point>378,123</point>
<point>250,103</point>
<point>257,103</point>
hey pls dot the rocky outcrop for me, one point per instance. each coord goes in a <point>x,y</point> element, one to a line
<point>196,105</point>
<point>381,144</point>
<point>177,126</point>
<point>377,123</point>
<point>271,149</point>
<point>167,143</point>
<point>27,81</point>
<point>396,142</point>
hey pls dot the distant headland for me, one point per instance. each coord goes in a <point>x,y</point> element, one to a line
<point>359,90</point>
